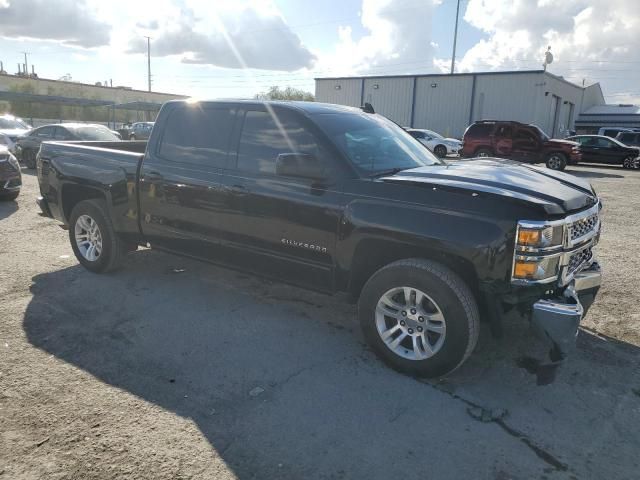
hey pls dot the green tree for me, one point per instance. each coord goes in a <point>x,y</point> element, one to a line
<point>288,93</point>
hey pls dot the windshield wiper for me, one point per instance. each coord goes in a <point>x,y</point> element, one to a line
<point>390,171</point>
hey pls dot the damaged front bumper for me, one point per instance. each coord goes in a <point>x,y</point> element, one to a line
<point>558,319</point>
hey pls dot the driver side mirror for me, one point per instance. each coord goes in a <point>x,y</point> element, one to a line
<point>301,165</point>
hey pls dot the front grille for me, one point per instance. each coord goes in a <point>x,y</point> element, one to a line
<point>578,260</point>
<point>582,227</point>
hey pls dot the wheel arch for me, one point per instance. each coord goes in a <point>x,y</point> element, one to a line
<point>72,194</point>
<point>372,254</point>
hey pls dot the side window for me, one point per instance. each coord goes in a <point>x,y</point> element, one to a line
<point>627,137</point>
<point>262,140</point>
<point>45,132</point>
<point>416,134</point>
<point>60,134</point>
<point>603,143</point>
<point>526,135</point>
<point>504,131</point>
<point>198,135</point>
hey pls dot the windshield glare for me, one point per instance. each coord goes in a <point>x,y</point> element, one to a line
<point>96,133</point>
<point>374,144</point>
<point>12,124</point>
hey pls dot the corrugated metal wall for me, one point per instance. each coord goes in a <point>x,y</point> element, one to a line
<point>339,91</point>
<point>443,103</point>
<point>391,97</point>
<point>447,103</point>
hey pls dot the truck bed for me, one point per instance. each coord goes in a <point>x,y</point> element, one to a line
<point>105,169</point>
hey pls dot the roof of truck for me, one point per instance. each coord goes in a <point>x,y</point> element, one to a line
<point>310,108</point>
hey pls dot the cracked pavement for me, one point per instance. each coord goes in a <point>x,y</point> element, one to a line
<point>153,372</point>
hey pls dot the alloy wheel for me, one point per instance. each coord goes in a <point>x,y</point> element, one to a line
<point>88,238</point>
<point>410,323</point>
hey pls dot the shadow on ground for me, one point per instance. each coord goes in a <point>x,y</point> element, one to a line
<point>591,173</point>
<point>7,208</point>
<point>280,383</point>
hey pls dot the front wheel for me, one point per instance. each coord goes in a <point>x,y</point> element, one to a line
<point>483,153</point>
<point>94,242</point>
<point>629,162</point>
<point>419,317</point>
<point>556,161</point>
<point>440,151</point>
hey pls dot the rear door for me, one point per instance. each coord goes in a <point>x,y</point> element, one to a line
<point>184,196</point>
<point>504,141</point>
<point>286,226</point>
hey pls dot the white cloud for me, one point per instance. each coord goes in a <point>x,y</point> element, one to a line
<point>399,37</point>
<point>71,22</point>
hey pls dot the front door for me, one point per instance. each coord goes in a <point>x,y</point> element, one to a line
<point>286,225</point>
<point>526,146</point>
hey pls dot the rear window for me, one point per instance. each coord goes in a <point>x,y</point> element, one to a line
<point>627,137</point>
<point>198,135</point>
<point>480,130</point>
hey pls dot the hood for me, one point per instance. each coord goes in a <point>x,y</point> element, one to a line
<point>557,192</point>
<point>558,142</point>
<point>452,140</point>
<point>13,132</point>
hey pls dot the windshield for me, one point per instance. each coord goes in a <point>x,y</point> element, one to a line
<point>12,123</point>
<point>374,144</point>
<point>433,134</point>
<point>545,137</point>
<point>96,133</point>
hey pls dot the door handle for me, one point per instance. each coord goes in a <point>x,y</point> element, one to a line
<point>239,190</point>
<point>153,176</point>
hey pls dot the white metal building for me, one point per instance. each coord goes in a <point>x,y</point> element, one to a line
<point>449,103</point>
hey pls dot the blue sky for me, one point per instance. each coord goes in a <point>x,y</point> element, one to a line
<point>287,42</point>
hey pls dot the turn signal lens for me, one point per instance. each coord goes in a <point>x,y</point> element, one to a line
<point>525,270</point>
<point>529,237</point>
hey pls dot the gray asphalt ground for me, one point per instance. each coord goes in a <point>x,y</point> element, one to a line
<point>171,368</point>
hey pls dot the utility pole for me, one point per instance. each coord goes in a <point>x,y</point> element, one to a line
<point>149,60</point>
<point>26,65</point>
<point>455,39</point>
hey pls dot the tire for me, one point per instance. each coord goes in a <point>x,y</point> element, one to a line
<point>446,296</point>
<point>628,162</point>
<point>440,151</point>
<point>132,138</point>
<point>29,159</point>
<point>556,161</point>
<point>9,197</point>
<point>112,249</point>
<point>483,153</point>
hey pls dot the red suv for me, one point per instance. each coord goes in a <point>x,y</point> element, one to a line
<point>518,141</point>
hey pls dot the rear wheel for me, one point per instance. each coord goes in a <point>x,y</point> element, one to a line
<point>419,317</point>
<point>440,151</point>
<point>95,244</point>
<point>556,161</point>
<point>629,162</point>
<point>9,196</point>
<point>483,153</point>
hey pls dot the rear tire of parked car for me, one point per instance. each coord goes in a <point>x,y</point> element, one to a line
<point>440,151</point>
<point>95,244</point>
<point>629,162</point>
<point>419,317</point>
<point>9,196</point>
<point>483,153</point>
<point>556,161</point>
<point>29,158</point>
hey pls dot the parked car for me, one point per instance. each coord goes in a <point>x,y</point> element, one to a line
<point>600,149</point>
<point>335,199</point>
<point>435,142</point>
<point>140,131</point>
<point>10,177</point>
<point>614,131</point>
<point>28,145</point>
<point>518,141</point>
<point>630,139</point>
<point>10,129</point>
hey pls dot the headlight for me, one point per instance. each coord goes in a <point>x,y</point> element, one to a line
<point>537,252</point>
<point>14,162</point>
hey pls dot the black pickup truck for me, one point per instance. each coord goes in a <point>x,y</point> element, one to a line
<point>338,199</point>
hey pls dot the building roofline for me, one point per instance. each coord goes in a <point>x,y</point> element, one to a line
<point>465,74</point>
<point>427,75</point>
<point>66,82</point>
